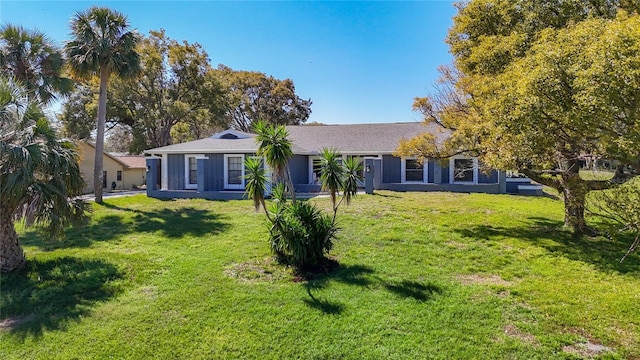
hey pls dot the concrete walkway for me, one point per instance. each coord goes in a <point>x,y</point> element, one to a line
<point>113,194</point>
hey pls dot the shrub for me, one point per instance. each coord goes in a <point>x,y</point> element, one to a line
<point>301,234</point>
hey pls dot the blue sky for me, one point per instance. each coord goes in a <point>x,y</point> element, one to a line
<point>360,62</point>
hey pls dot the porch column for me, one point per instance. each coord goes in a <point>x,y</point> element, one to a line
<point>502,181</point>
<point>377,173</point>
<point>201,166</point>
<point>369,169</point>
<point>152,174</point>
<point>437,172</point>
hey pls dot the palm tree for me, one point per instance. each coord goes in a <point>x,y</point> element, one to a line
<point>352,170</point>
<point>39,175</point>
<point>102,45</point>
<point>256,183</point>
<point>274,145</point>
<point>338,175</point>
<point>331,173</point>
<point>31,58</point>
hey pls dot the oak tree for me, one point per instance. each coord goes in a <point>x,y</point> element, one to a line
<point>535,86</point>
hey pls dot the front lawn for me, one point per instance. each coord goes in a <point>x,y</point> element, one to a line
<point>422,275</point>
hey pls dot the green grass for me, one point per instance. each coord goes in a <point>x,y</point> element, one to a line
<point>423,275</point>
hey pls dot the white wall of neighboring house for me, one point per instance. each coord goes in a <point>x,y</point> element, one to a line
<point>130,177</point>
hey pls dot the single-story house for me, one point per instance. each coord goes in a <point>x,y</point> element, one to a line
<point>213,168</point>
<point>119,172</point>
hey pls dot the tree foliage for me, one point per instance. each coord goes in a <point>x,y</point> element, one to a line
<point>619,207</point>
<point>537,85</point>
<point>174,98</point>
<point>251,96</point>
<point>40,177</point>
<point>31,58</point>
<point>102,45</point>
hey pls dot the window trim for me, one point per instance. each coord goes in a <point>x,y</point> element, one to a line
<point>228,186</point>
<point>187,185</point>
<point>452,170</point>
<point>119,175</point>
<point>403,171</point>
<point>311,158</point>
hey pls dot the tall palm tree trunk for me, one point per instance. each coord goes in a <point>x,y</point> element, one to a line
<point>102,116</point>
<point>11,254</point>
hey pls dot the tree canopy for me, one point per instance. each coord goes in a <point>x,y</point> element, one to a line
<point>39,175</point>
<point>31,58</point>
<point>102,44</point>
<point>535,86</point>
<point>179,97</point>
<point>251,96</point>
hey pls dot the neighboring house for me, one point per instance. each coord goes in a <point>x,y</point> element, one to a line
<point>213,167</point>
<point>121,173</point>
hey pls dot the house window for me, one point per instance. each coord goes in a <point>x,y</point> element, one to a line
<point>104,179</point>
<point>119,175</point>
<point>234,171</point>
<point>191,171</point>
<point>464,170</point>
<point>414,171</point>
<point>315,169</point>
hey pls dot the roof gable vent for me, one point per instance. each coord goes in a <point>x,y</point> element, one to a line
<point>229,136</point>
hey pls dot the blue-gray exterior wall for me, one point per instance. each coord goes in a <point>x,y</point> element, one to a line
<point>175,172</point>
<point>214,173</point>
<point>444,166</point>
<point>391,169</point>
<point>430,169</point>
<point>299,169</point>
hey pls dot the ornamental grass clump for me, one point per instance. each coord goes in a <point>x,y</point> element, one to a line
<point>300,234</point>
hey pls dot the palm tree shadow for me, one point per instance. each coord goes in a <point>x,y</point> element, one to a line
<point>414,289</point>
<point>364,276</point>
<point>170,223</point>
<point>47,294</point>
<point>550,235</point>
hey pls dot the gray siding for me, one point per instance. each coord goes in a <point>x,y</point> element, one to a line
<point>445,173</point>
<point>430,169</point>
<point>299,169</point>
<point>490,178</point>
<point>391,167</point>
<point>214,172</point>
<point>175,171</point>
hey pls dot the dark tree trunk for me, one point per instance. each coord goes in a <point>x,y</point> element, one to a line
<point>575,190</point>
<point>11,254</point>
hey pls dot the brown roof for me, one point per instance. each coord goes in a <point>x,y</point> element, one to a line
<point>132,162</point>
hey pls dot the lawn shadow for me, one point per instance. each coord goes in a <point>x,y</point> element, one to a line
<point>364,276</point>
<point>351,275</point>
<point>550,235</point>
<point>170,223</point>
<point>414,289</point>
<point>387,195</point>
<point>45,295</point>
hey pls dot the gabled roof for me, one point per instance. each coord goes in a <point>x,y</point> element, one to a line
<point>132,162</point>
<point>309,140</point>
<point>381,138</point>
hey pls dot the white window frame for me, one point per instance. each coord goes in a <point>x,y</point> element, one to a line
<point>311,158</point>
<point>226,172</point>
<point>403,171</point>
<point>452,170</point>
<point>186,170</point>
